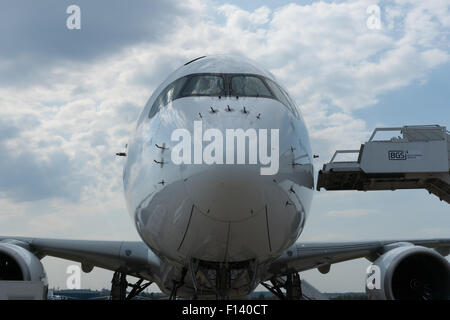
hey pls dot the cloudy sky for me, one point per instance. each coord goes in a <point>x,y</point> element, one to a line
<point>69,100</point>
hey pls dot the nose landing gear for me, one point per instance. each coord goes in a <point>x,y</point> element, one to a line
<point>177,285</point>
<point>292,286</point>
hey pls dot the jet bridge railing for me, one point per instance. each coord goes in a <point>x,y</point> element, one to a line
<point>419,159</point>
<point>383,129</point>
<point>342,152</point>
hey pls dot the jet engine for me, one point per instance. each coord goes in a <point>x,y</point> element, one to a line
<point>21,272</point>
<point>409,272</point>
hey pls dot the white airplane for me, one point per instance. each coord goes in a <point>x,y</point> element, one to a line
<point>219,181</point>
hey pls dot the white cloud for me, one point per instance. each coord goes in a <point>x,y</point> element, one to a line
<point>10,211</point>
<point>323,52</point>
<point>434,232</point>
<point>328,237</point>
<point>239,19</point>
<point>350,213</point>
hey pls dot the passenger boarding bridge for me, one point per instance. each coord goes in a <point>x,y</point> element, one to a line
<point>420,159</point>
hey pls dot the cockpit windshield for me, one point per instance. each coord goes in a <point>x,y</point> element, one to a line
<point>249,86</point>
<point>203,85</point>
<point>221,85</point>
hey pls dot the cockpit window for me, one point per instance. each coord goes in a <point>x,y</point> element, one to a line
<point>203,85</point>
<point>249,86</point>
<point>170,93</point>
<point>282,96</point>
<point>217,85</point>
<point>292,103</point>
<point>278,93</point>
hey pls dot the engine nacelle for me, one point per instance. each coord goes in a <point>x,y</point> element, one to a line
<point>21,272</point>
<point>409,272</point>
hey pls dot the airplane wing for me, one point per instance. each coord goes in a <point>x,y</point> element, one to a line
<point>305,256</point>
<point>136,259</point>
<point>132,258</point>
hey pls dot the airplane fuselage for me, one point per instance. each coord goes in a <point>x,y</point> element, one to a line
<point>195,197</point>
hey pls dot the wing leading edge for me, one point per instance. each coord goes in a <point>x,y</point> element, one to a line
<point>304,256</point>
<point>130,257</point>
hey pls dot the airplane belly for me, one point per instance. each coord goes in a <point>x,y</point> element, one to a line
<point>180,227</point>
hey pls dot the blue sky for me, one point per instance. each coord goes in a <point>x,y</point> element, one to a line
<point>415,104</point>
<point>69,100</point>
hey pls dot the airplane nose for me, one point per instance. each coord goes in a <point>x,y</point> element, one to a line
<point>227,193</point>
<point>227,209</point>
<point>238,214</point>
